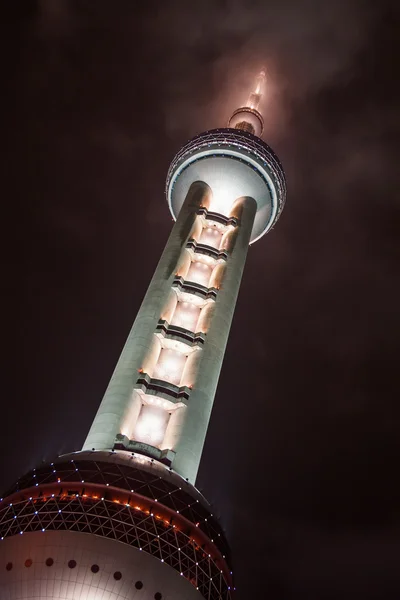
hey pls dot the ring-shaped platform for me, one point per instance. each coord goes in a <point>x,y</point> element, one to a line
<point>233,163</point>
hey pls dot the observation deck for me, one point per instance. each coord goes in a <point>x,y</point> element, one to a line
<point>234,163</point>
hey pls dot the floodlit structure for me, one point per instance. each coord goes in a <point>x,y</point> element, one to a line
<point>121,519</point>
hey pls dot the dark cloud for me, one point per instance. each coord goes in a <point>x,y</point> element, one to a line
<point>98,99</point>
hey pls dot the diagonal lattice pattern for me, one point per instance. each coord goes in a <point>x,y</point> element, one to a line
<point>133,525</point>
<point>240,140</point>
<point>161,486</point>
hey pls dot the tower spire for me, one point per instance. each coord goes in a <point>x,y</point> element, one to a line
<point>255,96</point>
<point>247,117</point>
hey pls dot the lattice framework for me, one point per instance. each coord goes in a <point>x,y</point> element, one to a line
<point>242,141</point>
<point>130,525</point>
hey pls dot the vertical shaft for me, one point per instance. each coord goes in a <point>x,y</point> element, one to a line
<point>193,429</point>
<point>121,403</point>
<point>160,396</point>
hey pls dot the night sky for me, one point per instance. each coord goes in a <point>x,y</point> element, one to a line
<point>302,455</point>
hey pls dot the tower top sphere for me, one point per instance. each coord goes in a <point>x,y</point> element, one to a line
<point>234,162</point>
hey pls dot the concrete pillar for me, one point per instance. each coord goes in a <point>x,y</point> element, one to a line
<point>116,407</point>
<point>226,241</point>
<point>204,320</point>
<point>132,415</point>
<point>170,306</point>
<point>188,429</point>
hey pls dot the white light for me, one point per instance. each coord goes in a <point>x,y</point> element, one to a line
<point>151,425</point>
<point>186,315</point>
<point>199,272</point>
<point>211,237</point>
<point>223,198</point>
<point>170,366</point>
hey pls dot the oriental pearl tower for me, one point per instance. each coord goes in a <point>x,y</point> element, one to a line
<point>122,519</point>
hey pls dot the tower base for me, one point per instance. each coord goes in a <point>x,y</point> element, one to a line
<point>96,522</point>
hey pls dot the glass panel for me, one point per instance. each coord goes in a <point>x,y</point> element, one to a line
<point>151,425</point>
<point>186,315</point>
<point>170,366</point>
<point>211,236</point>
<point>199,273</point>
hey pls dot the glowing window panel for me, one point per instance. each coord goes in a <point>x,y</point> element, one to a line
<point>199,272</point>
<point>211,237</point>
<point>186,315</point>
<point>169,366</point>
<point>151,425</point>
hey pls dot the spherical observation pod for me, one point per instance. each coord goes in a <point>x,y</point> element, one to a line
<point>117,519</point>
<point>233,163</point>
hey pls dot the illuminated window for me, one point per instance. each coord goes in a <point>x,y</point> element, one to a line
<point>211,237</point>
<point>186,315</point>
<point>169,366</point>
<point>199,273</point>
<point>151,425</point>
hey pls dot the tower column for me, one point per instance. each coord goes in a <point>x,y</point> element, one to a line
<point>192,426</point>
<point>121,402</point>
